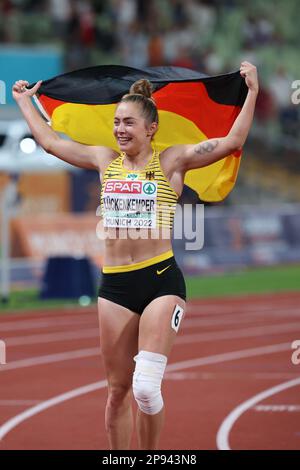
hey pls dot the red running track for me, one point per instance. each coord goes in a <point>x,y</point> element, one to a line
<point>230,382</point>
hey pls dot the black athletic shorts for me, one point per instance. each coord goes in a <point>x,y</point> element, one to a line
<point>136,289</point>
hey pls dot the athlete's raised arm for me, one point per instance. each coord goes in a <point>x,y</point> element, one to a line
<point>83,156</point>
<point>209,151</point>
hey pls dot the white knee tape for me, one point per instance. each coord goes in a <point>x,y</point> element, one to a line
<point>147,377</point>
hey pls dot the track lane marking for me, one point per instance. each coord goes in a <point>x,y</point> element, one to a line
<point>233,355</point>
<point>51,358</point>
<point>228,423</point>
<point>262,330</point>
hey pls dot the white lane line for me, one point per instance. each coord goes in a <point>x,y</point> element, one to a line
<point>229,356</point>
<point>231,419</point>
<point>278,408</point>
<point>44,323</point>
<point>13,422</point>
<point>235,319</point>
<point>50,358</point>
<point>52,337</point>
<point>218,375</point>
<point>88,319</point>
<point>242,307</point>
<point>234,355</point>
<point>249,331</point>
<point>79,322</point>
<point>252,314</point>
<point>184,339</point>
<point>242,333</point>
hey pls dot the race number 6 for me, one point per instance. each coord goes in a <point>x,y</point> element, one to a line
<point>177,317</point>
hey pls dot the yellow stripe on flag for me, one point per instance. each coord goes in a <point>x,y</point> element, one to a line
<point>93,125</point>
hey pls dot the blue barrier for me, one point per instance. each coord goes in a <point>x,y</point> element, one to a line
<point>67,277</point>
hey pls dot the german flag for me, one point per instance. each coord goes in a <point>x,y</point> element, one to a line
<point>192,107</point>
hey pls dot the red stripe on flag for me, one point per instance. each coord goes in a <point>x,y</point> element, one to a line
<point>192,101</point>
<point>50,104</point>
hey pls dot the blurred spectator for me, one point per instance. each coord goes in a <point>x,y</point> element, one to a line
<point>5,7</point>
<point>211,36</point>
<point>60,12</point>
<point>280,86</point>
<point>155,50</point>
<point>257,30</point>
<point>265,107</point>
<point>212,62</point>
<point>201,15</point>
<point>143,10</point>
<point>125,12</point>
<point>134,46</point>
<point>87,25</point>
<point>184,59</point>
<point>179,36</point>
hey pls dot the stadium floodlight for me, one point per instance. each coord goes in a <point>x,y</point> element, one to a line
<point>19,152</point>
<point>28,145</point>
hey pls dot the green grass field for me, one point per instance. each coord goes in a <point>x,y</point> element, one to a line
<point>250,281</point>
<point>29,299</point>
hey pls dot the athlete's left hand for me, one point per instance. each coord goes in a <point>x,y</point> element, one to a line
<point>249,72</point>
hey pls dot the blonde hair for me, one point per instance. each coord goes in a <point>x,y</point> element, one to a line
<point>141,93</point>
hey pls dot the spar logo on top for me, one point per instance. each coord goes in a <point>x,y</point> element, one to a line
<point>143,188</point>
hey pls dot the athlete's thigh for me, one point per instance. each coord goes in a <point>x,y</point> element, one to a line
<point>159,322</point>
<point>118,339</point>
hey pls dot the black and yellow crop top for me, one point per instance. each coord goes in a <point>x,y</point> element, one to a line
<point>137,199</point>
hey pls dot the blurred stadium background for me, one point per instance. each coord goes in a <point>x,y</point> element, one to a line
<point>252,239</point>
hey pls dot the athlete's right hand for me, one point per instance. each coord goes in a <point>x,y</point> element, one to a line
<point>20,91</point>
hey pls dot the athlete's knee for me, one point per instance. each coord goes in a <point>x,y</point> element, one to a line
<point>147,378</point>
<point>118,393</point>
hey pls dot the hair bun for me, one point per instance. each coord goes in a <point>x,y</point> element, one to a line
<point>141,87</point>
